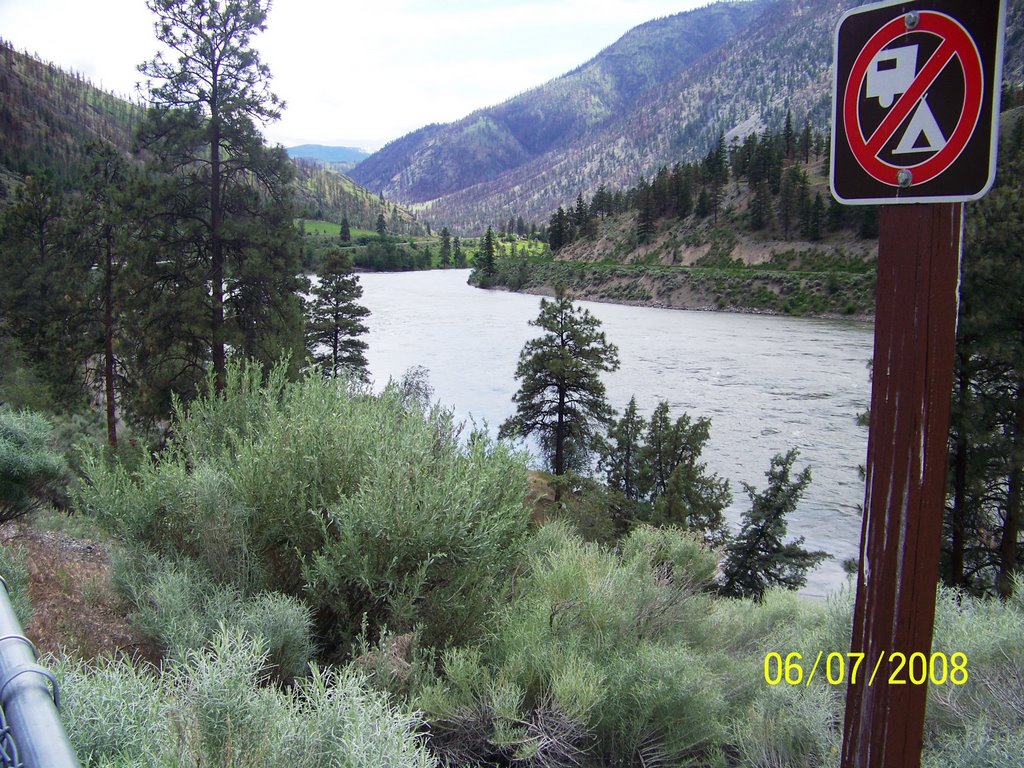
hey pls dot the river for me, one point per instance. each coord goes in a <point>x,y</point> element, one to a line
<point>767,383</point>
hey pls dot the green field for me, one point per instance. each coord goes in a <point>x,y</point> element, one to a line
<point>318,227</point>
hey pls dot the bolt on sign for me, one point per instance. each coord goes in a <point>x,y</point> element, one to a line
<point>916,101</point>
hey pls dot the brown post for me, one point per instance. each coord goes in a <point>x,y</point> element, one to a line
<point>915,329</point>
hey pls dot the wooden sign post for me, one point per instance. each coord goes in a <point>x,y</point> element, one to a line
<point>914,129</point>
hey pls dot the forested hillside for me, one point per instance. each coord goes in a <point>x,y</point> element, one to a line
<point>48,116</point>
<point>440,160</point>
<point>779,62</point>
<point>751,227</point>
<point>322,193</point>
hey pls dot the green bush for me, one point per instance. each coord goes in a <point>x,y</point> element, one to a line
<point>184,610</point>
<point>30,470</point>
<point>15,572</point>
<point>211,709</point>
<point>585,656</point>
<point>987,711</point>
<point>788,726</point>
<point>359,504</point>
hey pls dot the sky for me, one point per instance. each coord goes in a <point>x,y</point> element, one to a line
<point>355,73</point>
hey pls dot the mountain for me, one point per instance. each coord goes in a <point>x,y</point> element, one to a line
<point>341,155</point>
<point>325,194</point>
<point>775,58</point>
<point>443,159</point>
<point>47,116</point>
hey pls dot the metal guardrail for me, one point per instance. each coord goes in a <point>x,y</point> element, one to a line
<point>31,734</point>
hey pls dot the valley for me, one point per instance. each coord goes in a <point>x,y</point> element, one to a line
<point>529,440</point>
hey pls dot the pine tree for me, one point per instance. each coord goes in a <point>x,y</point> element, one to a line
<point>381,226</point>
<point>207,97</point>
<point>445,259</point>
<point>458,254</point>
<point>789,200</point>
<point>760,206</point>
<point>107,233</point>
<point>558,230</point>
<point>983,548</point>
<point>45,286</point>
<point>681,491</point>
<point>620,459</point>
<point>757,558</point>
<point>346,231</point>
<point>485,259</point>
<point>561,398</point>
<point>817,217</point>
<point>788,135</point>
<point>335,318</point>
<point>716,175</point>
<point>645,217</point>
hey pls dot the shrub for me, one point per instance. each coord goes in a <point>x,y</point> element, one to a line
<point>211,709</point>
<point>356,503</point>
<point>586,650</point>
<point>15,572</point>
<point>30,470</point>
<point>184,609</point>
<point>788,726</point>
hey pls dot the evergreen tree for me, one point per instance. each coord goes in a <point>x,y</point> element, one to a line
<point>757,558</point>
<point>835,215</point>
<point>45,286</point>
<point>680,490</point>
<point>206,98</point>
<point>816,218</point>
<point>335,318</point>
<point>581,216</point>
<point>620,459</point>
<point>788,135</point>
<point>760,206</point>
<point>107,234</point>
<point>445,258</point>
<point>558,230</point>
<point>789,200</point>
<point>703,207</point>
<point>982,548</point>
<point>716,175</point>
<point>346,230</point>
<point>381,226</point>
<point>868,228</point>
<point>486,258</point>
<point>458,254</point>
<point>561,398</point>
<point>645,216</point>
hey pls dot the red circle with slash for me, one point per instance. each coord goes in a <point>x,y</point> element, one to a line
<point>954,42</point>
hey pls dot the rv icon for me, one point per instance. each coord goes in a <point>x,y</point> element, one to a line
<point>891,73</point>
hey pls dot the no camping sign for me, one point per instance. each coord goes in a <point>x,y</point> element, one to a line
<point>916,101</point>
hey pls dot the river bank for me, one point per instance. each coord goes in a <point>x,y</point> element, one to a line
<point>749,290</point>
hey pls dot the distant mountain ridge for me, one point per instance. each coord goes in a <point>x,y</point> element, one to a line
<point>776,57</point>
<point>326,154</point>
<point>439,160</point>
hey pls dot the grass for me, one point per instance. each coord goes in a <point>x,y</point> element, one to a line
<point>320,227</point>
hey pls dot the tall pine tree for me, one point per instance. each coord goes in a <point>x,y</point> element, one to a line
<point>230,201</point>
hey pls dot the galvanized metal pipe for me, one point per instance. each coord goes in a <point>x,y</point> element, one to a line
<point>29,697</point>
